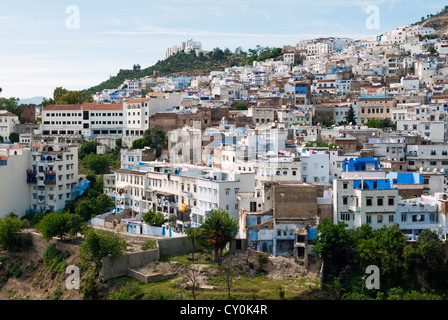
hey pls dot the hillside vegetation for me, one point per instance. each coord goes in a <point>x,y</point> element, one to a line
<point>190,64</point>
<point>438,21</point>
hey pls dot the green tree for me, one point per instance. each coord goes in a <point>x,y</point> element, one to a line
<point>380,123</point>
<point>75,224</point>
<point>104,202</point>
<point>217,231</point>
<point>11,105</point>
<point>14,137</point>
<point>9,231</point>
<point>350,117</point>
<point>240,106</point>
<point>432,50</point>
<point>157,139</point>
<point>193,235</point>
<point>432,251</point>
<point>64,96</point>
<point>324,119</point>
<point>385,248</point>
<point>87,209</point>
<point>54,224</point>
<point>140,144</point>
<point>153,218</point>
<point>98,244</point>
<point>332,244</point>
<point>87,148</point>
<point>99,164</point>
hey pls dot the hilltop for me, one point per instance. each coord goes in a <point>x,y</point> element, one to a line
<point>190,64</point>
<point>180,64</point>
<point>437,21</point>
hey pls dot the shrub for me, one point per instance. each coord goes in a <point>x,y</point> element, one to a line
<point>55,259</point>
<point>150,244</point>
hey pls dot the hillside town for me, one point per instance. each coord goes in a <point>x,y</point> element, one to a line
<point>337,128</point>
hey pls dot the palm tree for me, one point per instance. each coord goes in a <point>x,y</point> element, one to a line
<point>217,230</point>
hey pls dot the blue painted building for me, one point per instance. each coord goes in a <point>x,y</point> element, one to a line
<point>360,164</point>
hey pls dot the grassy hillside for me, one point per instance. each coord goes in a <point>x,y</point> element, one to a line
<point>190,64</point>
<point>178,64</point>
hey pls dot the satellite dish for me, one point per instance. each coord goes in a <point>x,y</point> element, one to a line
<point>419,217</point>
<point>420,169</point>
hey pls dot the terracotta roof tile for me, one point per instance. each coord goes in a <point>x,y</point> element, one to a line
<point>62,107</point>
<point>97,106</point>
<point>137,100</point>
<point>8,114</point>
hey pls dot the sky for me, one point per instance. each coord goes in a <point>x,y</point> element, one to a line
<point>78,44</point>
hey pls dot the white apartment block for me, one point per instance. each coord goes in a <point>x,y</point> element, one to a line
<point>292,116</point>
<point>88,119</point>
<point>186,46</point>
<point>170,189</point>
<point>336,163</point>
<point>320,48</point>
<point>392,148</point>
<point>434,131</point>
<point>428,157</point>
<point>40,177</point>
<point>15,194</point>
<point>52,176</point>
<point>315,165</point>
<point>404,34</point>
<point>358,201</point>
<point>8,122</point>
<point>137,112</point>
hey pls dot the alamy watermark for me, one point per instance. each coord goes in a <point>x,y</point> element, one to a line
<point>73,280</point>
<point>373,21</point>
<point>373,280</point>
<point>73,21</point>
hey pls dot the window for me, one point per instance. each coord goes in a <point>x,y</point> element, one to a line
<point>369,219</point>
<point>369,202</point>
<point>403,218</point>
<point>344,200</point>
<point>391,218</point>
<point>344,185</point>
<point>391,201</point>
<point>345,216</point>
<point>380,218</point>
<point>379,201</point>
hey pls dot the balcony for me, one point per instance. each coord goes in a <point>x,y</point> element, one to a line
<point>31,181</point>
<point>50,182</point>
<point>49,173</point>
<point>31,172</point>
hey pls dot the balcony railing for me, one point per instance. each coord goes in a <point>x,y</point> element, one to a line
<point>49,182</point>
<point>50,172</point>
<point>31,181</point>
<point>31,171</point>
